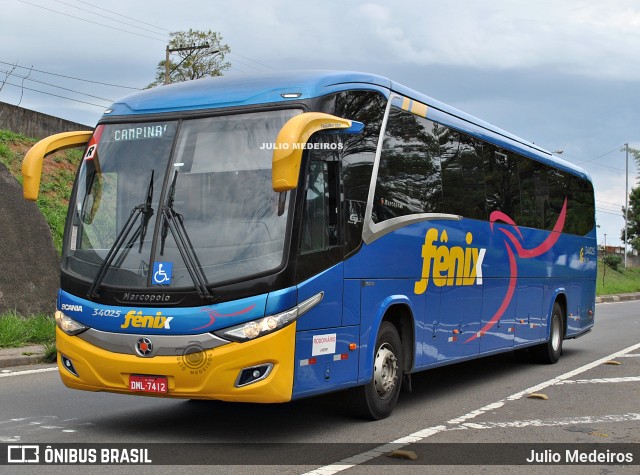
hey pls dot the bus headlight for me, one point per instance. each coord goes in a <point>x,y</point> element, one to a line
<point>68,324</point>
<point>269,324</point>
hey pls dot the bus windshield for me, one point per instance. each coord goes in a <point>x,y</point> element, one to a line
<point>180,204</point>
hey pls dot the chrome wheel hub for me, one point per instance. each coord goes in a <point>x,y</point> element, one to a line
<point>555,336</point>
<point>385,371</point>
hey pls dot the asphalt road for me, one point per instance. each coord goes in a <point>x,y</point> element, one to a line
<point>484,401</point>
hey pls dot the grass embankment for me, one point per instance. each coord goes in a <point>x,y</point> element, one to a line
<point>619,281</point>
<point>55,190</point>
<point>58,173</point>
<point>17,331</point>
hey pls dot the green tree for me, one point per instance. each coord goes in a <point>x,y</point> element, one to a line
<point>633,229</point>
<point>193,61</point>
<point>635,154</point>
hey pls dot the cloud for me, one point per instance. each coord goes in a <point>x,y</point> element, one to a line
<point>595,39</point>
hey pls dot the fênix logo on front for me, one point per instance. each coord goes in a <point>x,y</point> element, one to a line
<point>449,265</point>
<point>137,320</point>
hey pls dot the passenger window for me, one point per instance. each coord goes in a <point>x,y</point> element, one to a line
<point>501,182</point>
<point>409,179</point>
<point>463,181</point>
<point>527,194</point>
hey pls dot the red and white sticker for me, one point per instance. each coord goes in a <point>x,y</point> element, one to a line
<point>324,344</point>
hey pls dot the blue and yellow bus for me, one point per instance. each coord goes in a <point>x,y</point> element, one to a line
<point>274,237</point>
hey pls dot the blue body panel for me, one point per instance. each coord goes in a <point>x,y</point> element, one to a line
<point>328,313</point>
<point>447,317</point>
<point>378,296</point>
<point>320,371</point>
<point>451,322</point>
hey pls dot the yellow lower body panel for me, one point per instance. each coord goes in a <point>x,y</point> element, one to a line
<point>214,378</point>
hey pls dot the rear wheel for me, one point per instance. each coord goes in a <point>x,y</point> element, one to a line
<point>376,399</point>
<point>550,351</point>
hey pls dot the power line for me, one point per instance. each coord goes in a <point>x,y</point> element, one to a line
<point>70,77</point>
<point>124,16</point>
<point>92,22</point>
<point>253,60</point>
<point>610,212</point>
<point>609,203</point>
<point>134,26</point>
<point>238,69</point>
<point>130,32</point>
<point>606,166</point>
<point>111,19</point>
<point>247,64</point>
<point>617,149</point>
<point>9,74</point>
<point>611,208</point>
<point>54,95</point>
<point>169,31</point>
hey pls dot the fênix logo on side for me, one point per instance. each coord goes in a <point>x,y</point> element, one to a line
<point>448,266</point>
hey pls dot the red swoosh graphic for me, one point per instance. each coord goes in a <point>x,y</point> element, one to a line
<point>523,253</point>
<point>507,298</point>
<point>547,244</point>
<point>213,314</point>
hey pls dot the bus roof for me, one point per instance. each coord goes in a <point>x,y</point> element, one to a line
<point>232,91</point>
<point>263,88</point>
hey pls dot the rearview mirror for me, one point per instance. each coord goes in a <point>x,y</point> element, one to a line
<point>291,141</point>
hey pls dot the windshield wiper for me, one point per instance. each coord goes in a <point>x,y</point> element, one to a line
<point>174,222</point>
<point>143,209</point>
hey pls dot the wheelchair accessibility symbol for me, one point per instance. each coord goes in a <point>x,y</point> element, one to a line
<point>162,273</point>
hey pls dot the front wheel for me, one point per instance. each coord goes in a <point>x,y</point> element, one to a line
<point>550,351</point>
<point>376,399</point>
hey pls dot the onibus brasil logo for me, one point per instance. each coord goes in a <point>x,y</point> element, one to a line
<point>446,265</point>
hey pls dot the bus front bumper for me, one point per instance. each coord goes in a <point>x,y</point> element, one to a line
<point>215,377</point>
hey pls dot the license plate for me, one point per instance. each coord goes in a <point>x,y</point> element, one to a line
<point>148,384</point>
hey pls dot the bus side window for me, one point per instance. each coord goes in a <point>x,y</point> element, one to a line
<point>320,216</point>
<point>321,235</point>
<point>581,214</point>
<point>315,231</point>
<point>501,182</point>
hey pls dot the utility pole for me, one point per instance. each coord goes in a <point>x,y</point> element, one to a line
<point>191,48</point>
<point>626,203</point>
<point>604,264</point>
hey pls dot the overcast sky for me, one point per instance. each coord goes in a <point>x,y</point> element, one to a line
<point>563,74</point>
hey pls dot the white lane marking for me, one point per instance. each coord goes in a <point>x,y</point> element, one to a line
<point>29,371</point>
<point>25,426</point>
<point>634,355</point>
<point>14,438</point>
<point>429,431</point>
<point>627,379</point>
<point>565,421</point>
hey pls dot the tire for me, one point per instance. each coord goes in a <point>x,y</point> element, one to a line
<point>376,399</point>
<point>549,352</point>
